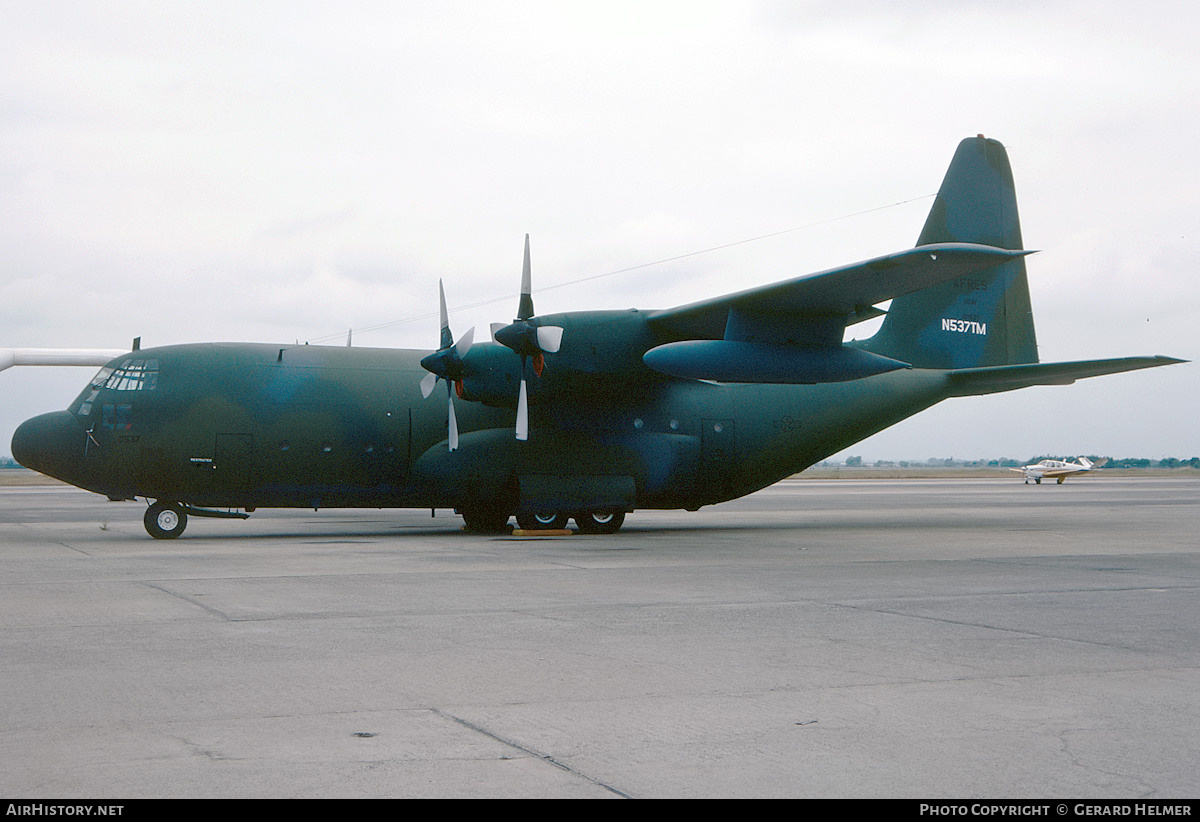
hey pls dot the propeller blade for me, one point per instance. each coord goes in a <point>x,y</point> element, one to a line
<point>451,420</point>
<point>525,307</point>
<point>523,411</point>
<point>464,343</point>
<point>528,339</point>
<point>447,364</point>
<point>549,338</point>
<point>427,384</point>
<point>447,339</point>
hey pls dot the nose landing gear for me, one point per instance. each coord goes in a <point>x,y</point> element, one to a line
<point>165,520</point>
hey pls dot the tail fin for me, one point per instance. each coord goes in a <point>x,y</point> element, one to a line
<point>977,321</point>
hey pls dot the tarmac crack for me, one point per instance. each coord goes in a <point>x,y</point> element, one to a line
<point>529,752</point>
<point>985,626</point>
<point>190,601</point>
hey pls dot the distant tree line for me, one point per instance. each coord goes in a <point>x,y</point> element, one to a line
<point>1131,462</point>
<point>1007,462</point>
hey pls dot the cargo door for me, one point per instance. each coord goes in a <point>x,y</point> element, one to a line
<point>232,463</point>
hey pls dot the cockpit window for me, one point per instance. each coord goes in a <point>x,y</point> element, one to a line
<point>132,375</point>
<point>101,377</point>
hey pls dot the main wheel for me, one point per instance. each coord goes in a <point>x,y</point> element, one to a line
<point>485,520</point>
<point>600,522</point>
<point>542,521</point>
<point>165,520</point>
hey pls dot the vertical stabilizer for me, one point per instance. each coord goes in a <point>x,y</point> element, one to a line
<point>981,320</point>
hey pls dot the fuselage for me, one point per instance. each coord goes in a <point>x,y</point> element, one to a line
<point>1055,469</point>
<point>250,425</point>
<point>586,414</point>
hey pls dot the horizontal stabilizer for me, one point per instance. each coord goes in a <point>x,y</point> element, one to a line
<point>971,381</point>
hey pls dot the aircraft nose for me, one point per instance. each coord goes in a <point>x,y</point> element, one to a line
<point>50,444</point>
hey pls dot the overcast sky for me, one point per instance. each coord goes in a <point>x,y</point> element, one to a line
<point>282,171</point>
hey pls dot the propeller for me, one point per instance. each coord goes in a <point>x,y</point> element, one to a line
<point>531,340</point>
<point>447,364</point>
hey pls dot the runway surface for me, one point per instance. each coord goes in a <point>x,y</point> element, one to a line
<point>894,638</point>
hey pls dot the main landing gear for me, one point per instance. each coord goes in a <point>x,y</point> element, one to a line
<point>600,522</point>
<point>591,522</point>
<point>542,522</point>
<point>486,521</point>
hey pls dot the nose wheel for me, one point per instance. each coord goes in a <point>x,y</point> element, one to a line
<point>165,520</point>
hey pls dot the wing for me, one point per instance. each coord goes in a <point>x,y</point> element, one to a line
<point>56,356</point>
<point>1062,472</point>
<point>819,306</point>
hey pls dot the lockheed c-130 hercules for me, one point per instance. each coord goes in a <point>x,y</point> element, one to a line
<point>585,415</point>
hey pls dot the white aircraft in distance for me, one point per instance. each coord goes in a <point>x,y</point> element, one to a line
<point>1056,469</point>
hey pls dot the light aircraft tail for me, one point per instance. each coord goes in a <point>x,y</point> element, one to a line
<point>975,321</point>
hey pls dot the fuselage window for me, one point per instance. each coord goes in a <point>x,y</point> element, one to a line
<point>85,407</point>
<point>116,417</point>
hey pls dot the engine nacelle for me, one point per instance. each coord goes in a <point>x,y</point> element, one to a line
<point>491,375</point>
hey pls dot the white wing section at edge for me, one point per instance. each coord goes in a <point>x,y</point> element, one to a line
<point>57,356</point>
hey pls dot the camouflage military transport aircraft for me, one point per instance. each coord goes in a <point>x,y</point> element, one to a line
<point>585,415</point>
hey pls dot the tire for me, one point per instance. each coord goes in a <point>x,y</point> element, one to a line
<point>485,521</point>
<point>165,520</point>
<point>542,521</point>
<point>600,522</point>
